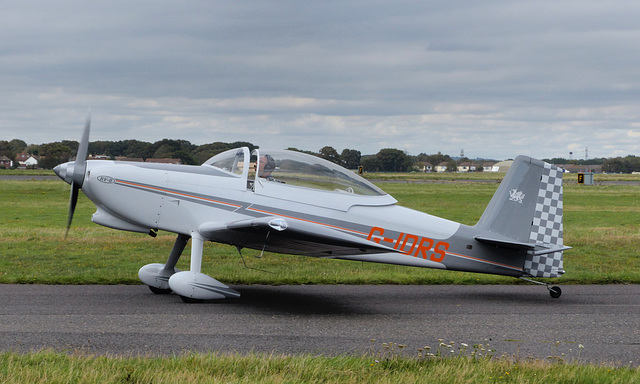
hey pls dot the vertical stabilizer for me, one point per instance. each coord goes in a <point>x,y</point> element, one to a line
<point>527,209</point>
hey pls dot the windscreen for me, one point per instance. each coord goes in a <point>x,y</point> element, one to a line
<point>303,170</point>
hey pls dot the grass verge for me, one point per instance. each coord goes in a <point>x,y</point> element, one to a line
<point>53,367</point>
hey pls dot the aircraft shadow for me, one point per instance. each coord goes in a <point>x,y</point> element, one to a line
<point>273,299</point>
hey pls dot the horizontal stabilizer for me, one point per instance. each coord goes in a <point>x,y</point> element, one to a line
<point>511,244</point>
<point>552,248</point>
<point>536,248</point>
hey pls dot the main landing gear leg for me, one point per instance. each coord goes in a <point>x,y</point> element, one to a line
<point>170,267</point>
<point>197,244</point>
<point>156,276</point>
<point>176,252</point>
<point>554,291</point>
<point>194,286</point>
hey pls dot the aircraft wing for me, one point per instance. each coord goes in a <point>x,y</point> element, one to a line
<point>284,235</point>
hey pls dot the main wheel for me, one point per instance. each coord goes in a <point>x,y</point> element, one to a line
<point>555,292</point>
<point>190,300</point>
<point>160,291</point>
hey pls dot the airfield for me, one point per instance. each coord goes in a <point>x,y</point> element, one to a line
<point>590,323</point>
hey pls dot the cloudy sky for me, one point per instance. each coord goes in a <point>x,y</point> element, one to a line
<point>495,78</point>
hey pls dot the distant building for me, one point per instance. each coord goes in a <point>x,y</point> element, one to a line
<point>442,167</point>
<point>502,166</point>
<point>487,167</point>
<point>423,166</point>
<point>5,162</point>
<point>26,160</point>
<point>466,167</point>
<point>98,157</point>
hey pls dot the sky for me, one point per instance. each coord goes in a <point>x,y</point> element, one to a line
<point>492,78</point>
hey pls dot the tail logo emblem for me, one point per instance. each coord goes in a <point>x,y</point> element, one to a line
<point>517,196</point>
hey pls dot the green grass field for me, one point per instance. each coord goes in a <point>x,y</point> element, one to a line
<point>601,224</point>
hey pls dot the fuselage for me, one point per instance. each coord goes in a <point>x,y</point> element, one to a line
<point>182,199</point>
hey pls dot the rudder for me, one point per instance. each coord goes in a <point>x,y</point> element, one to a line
<point>547,228</point>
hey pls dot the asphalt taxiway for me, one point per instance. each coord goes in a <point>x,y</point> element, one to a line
<point>588,323</point>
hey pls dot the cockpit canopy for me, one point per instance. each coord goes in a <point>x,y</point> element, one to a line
<point>292,169</point>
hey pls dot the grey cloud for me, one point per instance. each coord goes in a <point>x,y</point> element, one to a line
<point>421,76</point>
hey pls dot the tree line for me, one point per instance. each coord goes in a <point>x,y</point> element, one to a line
<point>386,160</point>
<point>626,164</point>
<point>51,154</point>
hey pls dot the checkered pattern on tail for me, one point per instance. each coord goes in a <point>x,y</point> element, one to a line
<point>547,225</point>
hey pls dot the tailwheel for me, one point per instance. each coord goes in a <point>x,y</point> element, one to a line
<point>555,292</point>
<point>160,291</point>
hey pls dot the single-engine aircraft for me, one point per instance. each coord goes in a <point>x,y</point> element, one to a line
<point>294,203</point>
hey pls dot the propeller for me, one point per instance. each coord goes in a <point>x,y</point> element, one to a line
<point>73,172</point>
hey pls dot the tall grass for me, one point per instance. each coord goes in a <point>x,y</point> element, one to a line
<point>51,367</point>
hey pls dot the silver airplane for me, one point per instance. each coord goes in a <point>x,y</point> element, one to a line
<point>293,203</point>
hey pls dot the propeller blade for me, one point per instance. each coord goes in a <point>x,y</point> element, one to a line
<point>73,201</point>
<point>80,165</point>
<point>79,169</point>
<point>83,148</point>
